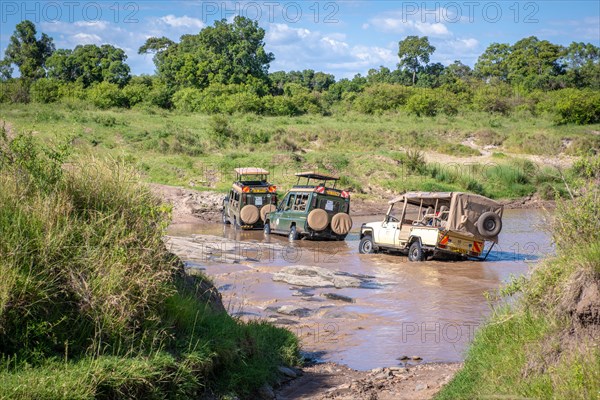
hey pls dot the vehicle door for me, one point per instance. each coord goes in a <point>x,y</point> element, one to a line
<point>282,220</point>
<point>300,210</point>
<point>389,229</point>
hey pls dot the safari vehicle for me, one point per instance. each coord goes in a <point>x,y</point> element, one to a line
<point>313,210</point>
<point>250,199</point>
<point>436,224</point>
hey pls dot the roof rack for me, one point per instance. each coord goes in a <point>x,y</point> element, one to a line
<point>317,176</point>
<point>251,171</point>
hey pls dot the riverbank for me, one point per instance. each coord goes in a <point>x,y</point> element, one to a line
<point>93,305</point>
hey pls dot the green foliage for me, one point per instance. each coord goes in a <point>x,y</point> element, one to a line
<point>136,93</point>
<point>226,53</point>
<point>578,107</point>
<point>423,103</point>
<point>382,97</point>
<point>89,64</point>
<point>106,95</point>
<point>413,51</point>
<point>91,303</point>
<point>27,52</point>
<point>45,90</point>
<point>188,100</point>
<point>220,131</point>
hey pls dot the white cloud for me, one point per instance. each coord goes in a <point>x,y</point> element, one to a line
<point>417,21</point>
<point>87,38</point>
<point>301,48</point>
<point>182,22</point>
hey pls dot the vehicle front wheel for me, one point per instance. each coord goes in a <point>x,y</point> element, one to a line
<point>267,229</point>
<point>293,235</point>
<point>366,245</point>
<point>415,252</point>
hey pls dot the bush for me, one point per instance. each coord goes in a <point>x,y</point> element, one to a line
<point>135,93</point>
<point>220,131</point>
<point>106,95</point>
<point>14,91</point>
<point>45,90</point>
<point>579,107</point>
<point>423,103</point>
<point>493,99</point>
<point>382,97</point>
<point>188,100</point>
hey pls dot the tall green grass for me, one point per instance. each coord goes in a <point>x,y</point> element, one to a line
<point>542,345</point>
<point>91,303</point>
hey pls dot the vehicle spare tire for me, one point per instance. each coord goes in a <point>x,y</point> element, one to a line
<point>249,214</point>
<point>341,223</point>
<point>265,210</point>
<point>317,219</point>
<point>489,224</point>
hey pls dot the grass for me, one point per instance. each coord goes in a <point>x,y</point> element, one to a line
<point>92,305</point>
<point>544,345</point>
<point>197,150</point>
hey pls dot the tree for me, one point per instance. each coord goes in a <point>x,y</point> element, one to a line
<point>492,63</point>
<point>414,51</point>
<point>27,52</point>
<point>582,63</point>
<point>90,64</point>
<point>534,63</point>
<point>227,53</point>
<point>5,70</point>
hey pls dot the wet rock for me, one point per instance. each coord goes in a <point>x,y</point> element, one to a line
<point>339,297</point>
<point>311,276</point>
<point>290,373</point>
<point>416,358</point>
<point>403,358</point>
<point>291,310</point>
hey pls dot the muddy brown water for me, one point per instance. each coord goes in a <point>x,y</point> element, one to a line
<point>429,309</point>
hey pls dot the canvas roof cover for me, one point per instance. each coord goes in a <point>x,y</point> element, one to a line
<point>464,209</point>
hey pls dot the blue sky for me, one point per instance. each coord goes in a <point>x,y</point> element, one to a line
<point>339,37</point>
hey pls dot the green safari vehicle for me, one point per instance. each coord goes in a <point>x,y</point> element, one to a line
<point>250,199</point>
<point>313,210</point>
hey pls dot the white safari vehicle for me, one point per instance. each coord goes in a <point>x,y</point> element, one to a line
<point>431,224</point>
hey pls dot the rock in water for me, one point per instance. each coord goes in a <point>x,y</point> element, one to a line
<point>315,277</point>
<point>340,297</point>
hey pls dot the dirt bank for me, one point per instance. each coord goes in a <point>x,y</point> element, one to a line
<point>333,381</point>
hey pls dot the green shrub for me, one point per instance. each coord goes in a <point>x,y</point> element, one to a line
<point>45,90</point>
<point>135,93</point>
<point>422,103</point>
<point>493,99</point>
<point>106,95</point>
<point>382,97</point>
<point>220,132</point>
<point>578,107</point>
<point>188,100</point>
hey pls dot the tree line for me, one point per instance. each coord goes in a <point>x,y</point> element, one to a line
<point>225,68</point>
